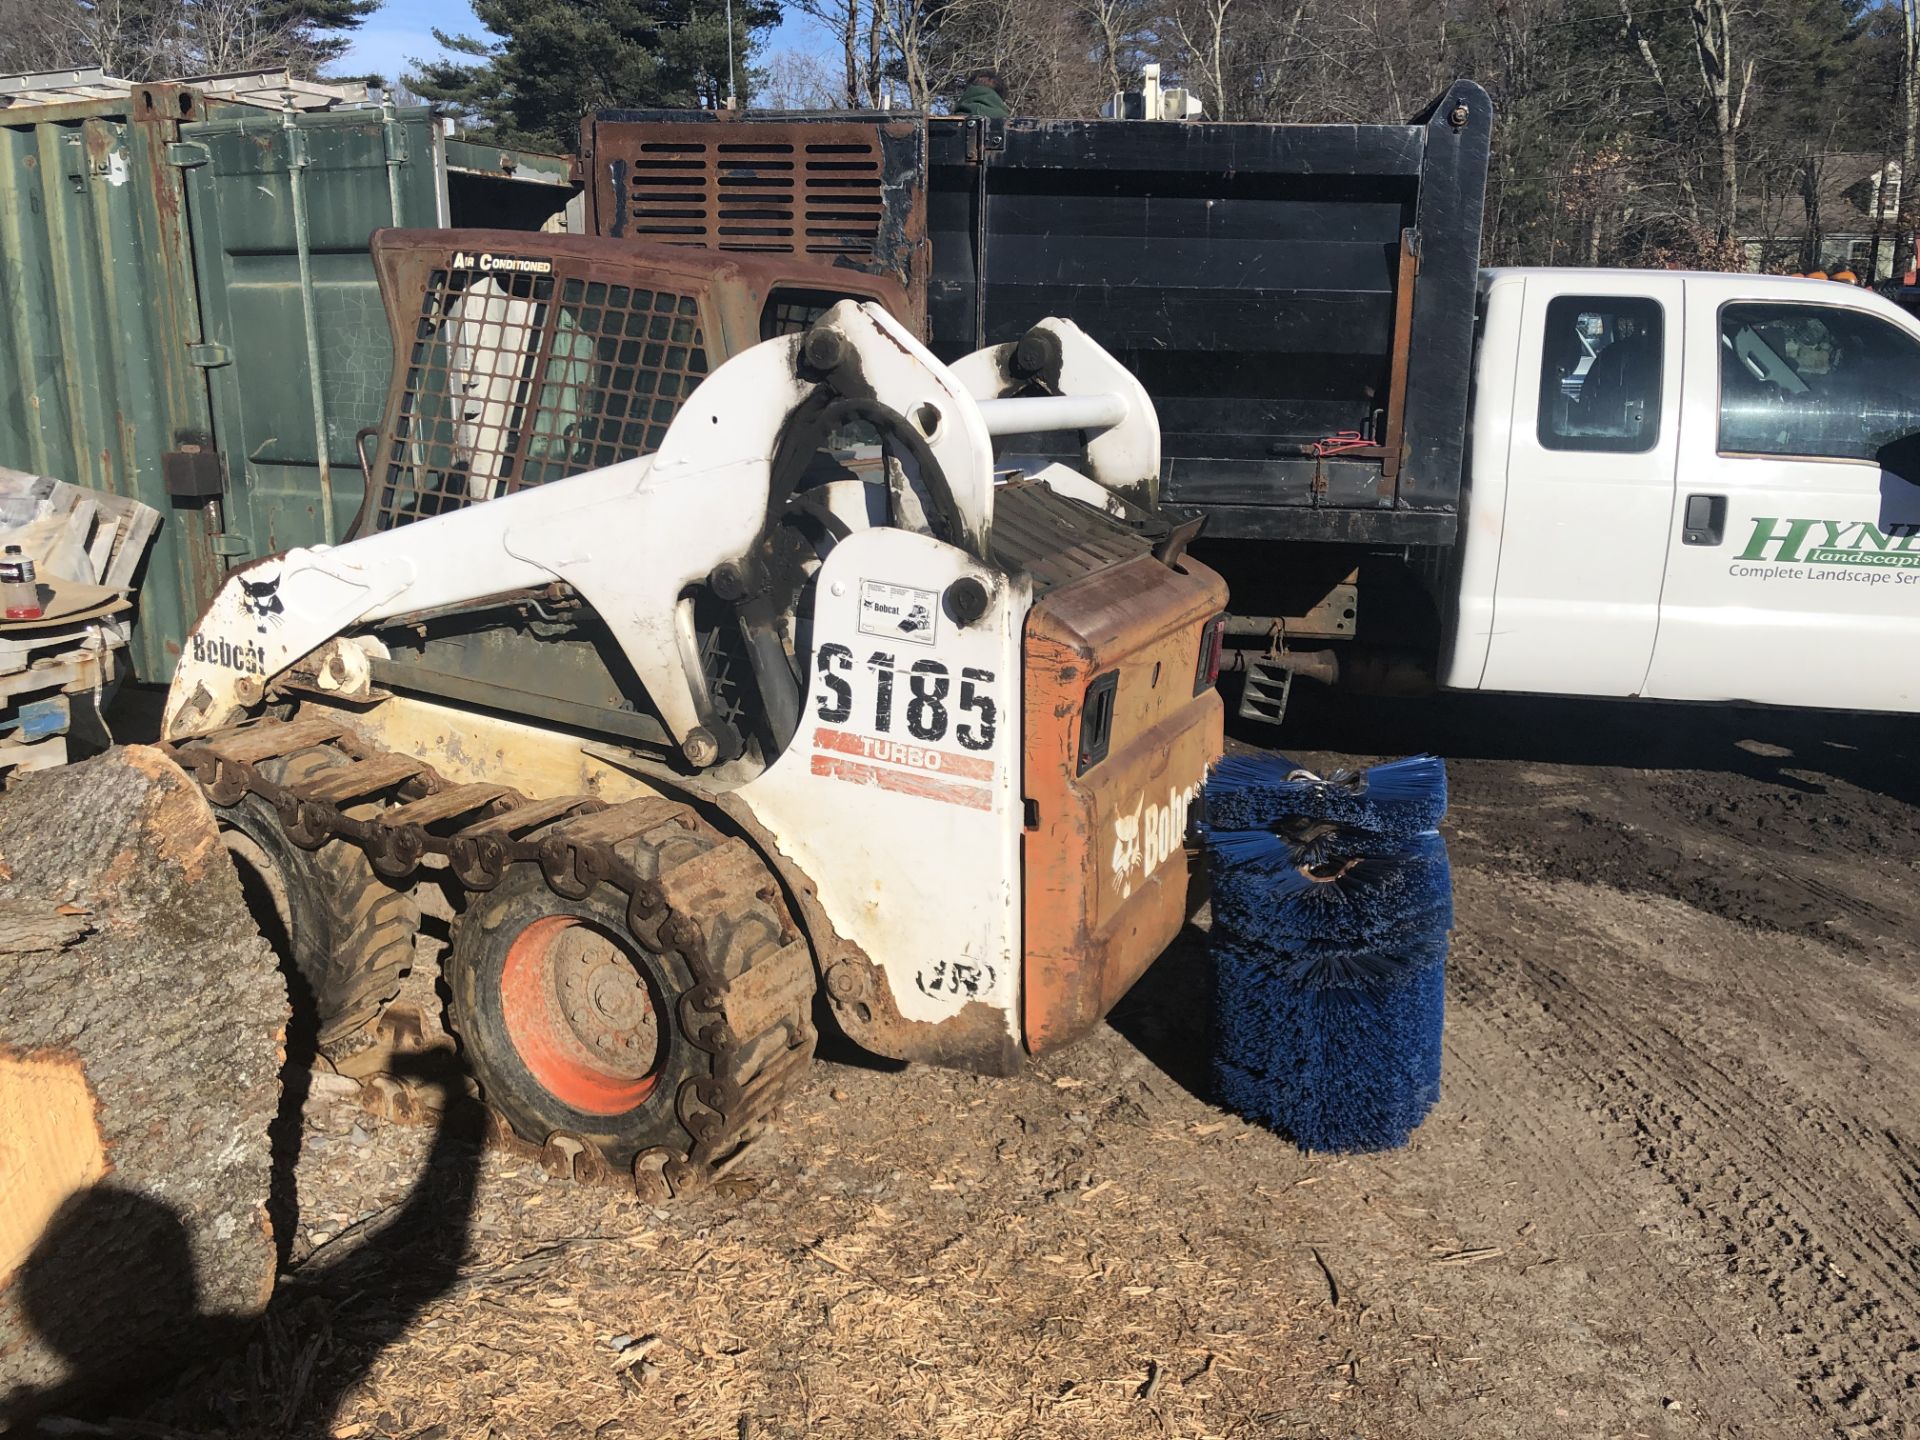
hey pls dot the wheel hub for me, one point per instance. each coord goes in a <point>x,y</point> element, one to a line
<point>581,1015</point>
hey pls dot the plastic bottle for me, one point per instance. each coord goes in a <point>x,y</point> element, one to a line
<point>19,587</point>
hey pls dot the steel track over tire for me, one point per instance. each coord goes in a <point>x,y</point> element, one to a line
<point>347,933</point>
<point>578,1026</point>
<point>627,983</point>
<point>509,975</point>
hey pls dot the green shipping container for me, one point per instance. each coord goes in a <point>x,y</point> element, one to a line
<point>190,315</point>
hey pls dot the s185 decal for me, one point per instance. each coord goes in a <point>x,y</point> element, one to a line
<point>923,697</point>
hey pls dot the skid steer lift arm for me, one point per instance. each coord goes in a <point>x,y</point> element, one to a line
<point>634,538</point>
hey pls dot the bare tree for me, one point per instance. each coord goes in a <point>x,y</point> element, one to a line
<point>1049,56</point>
<point>149,39</point>
<point>1116,28</point>
<point>1672,104</point>
<point>39,35</point>
<point>225,35</point>
<point>1626,133</point>
<point>1713,47</point>
<point>798,80</point>
<point>1199,27</point>
<point>1909,211</point>
<point>856,30</point>
<point>908,28</point>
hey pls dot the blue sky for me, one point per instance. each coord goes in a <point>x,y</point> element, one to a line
<point>402,31</point>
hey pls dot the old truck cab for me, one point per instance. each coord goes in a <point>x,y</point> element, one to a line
<point>1691,487</point>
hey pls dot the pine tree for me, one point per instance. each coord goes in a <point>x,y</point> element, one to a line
<point>558,60</point>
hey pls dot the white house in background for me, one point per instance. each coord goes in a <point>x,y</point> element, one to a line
<point>1837,217</point>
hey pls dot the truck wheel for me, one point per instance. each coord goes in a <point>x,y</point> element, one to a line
<point>346,935</point>
<point>569,1021</point>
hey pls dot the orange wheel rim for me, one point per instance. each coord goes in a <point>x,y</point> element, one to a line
<point>581,1016</point>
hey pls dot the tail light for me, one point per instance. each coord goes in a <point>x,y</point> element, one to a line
<point>1207,672</point>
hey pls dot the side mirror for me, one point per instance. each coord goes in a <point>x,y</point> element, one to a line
<point>1899,500</point>
<point>1900,459</point>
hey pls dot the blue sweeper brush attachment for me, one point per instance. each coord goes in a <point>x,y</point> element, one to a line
<point>1332,901</point>
<point>1397,800</point>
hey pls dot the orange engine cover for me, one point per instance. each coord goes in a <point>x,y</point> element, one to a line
<point>1105,862</point>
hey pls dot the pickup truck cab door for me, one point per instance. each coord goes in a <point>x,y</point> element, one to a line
<point>1793,570</point>
<point>1589,483</point>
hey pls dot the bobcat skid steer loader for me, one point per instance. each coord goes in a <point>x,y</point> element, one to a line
<point>814,696</point>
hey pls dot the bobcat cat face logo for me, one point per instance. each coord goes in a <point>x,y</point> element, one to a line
<point>1126,847</point>
<point>261,600</point>
<point>1145,839</point>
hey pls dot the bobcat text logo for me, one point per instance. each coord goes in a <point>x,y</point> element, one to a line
<point>247,659</point>
<point>1145,836</point>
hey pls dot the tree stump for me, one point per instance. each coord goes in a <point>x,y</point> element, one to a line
<point>142,1030</point>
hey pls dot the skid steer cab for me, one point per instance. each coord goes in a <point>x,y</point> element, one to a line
<point>817,696</point>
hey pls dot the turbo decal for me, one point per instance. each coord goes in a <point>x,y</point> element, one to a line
<point>904,782</point>
<point>904,768</point>
<point>955,980</point>
<point>897,752</point>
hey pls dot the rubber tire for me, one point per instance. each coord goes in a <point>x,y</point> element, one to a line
<point>473,969</point>
<point>350,933</point>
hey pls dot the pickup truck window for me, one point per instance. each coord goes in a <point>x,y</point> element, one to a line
<point>1600,374</point>
<point>1819,381</point>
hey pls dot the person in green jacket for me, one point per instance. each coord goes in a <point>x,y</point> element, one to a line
<point>986,94</point>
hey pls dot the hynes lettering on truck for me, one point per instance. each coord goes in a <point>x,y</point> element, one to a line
<point>1801,549</point>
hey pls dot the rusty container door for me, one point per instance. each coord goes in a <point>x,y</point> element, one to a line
<point>1122,723</point>
<point>283,206</point>
<point>296,337</point>
<point>100,380</point>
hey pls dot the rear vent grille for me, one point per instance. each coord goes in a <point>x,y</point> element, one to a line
<point>814,197</point>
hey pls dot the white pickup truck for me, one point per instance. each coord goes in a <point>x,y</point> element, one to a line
<point>1690,487</point>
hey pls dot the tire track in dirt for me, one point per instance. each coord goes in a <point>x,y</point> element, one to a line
<point>1575,1165</point>
<point>1840,1274</point>
<point>1724,859</point>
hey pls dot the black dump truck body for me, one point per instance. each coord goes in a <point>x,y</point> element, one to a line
<point>1297,299</point>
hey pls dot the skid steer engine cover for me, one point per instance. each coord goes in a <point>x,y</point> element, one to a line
<point>1121,722</point>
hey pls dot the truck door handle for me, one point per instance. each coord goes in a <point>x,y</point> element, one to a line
<point>1706,520</point>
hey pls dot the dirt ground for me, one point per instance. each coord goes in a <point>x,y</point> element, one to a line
<point>1672,1188</point>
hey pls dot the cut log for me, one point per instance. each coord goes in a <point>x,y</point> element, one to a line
<point>142,1030</point>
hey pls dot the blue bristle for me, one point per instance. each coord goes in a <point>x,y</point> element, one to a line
<point>1396,798</point>
<point>1344,1068</point>
<point>1260,893</point>
<point>1332,900</point>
